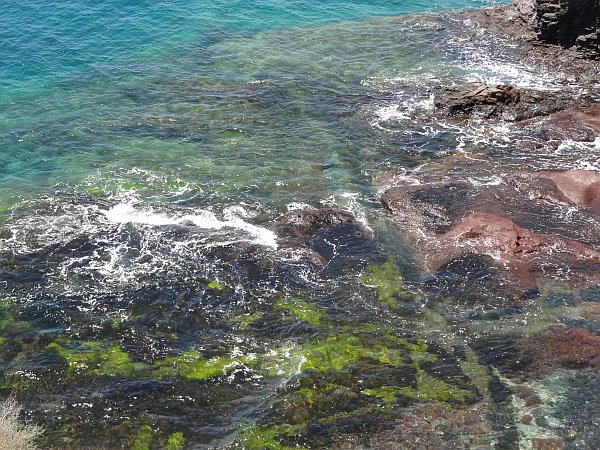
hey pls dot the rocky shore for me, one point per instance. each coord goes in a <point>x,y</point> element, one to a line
<point>521,219</point>
<point>515,222</point>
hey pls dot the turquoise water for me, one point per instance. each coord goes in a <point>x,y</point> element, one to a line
<point>148,150</point>
<point>76,76</point>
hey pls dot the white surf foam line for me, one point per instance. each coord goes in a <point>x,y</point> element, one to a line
<point>233,218</point>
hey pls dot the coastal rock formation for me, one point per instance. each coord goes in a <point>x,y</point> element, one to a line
<point>517,224</point>
<point>476,98</point>
<point>568,23</point>
<point>328,234</point>
<point>482,101</point>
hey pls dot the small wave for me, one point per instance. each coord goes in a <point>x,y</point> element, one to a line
<point>234,218</point>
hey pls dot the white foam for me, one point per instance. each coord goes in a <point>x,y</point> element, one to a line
<point>234,218</point>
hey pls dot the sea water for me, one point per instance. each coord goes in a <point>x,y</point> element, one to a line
<point>147,148</point>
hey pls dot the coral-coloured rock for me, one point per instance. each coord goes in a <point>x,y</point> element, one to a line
<point>524,252</point>
<point>571,348</point>
<point>577,124</point>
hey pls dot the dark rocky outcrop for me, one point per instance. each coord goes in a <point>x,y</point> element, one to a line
<point>482,101</point>
<point>331,236</point>
<point>568,23</point>
<point>479,98</point>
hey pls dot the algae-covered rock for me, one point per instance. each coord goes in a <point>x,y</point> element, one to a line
<point>301,309</point>
<point>143,440</point>
<point>175,441</point>
<point>97,358</point>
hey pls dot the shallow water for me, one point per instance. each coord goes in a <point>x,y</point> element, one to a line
<point>148,151</point>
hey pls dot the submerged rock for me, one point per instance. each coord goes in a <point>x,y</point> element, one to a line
<point>333,236</point>
<point>518,224</point>
<point>525,253</point>
<point>581,124</point>
<point>571,187</point>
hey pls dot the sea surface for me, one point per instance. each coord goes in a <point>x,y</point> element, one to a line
<point>147,151</point>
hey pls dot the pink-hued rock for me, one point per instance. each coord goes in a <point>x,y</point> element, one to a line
<point>556,347</point>
<point>582,187</point>
<point>523,252</point>
<point>577,124</point>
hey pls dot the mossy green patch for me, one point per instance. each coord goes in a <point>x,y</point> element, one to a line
<point>143,440</point>
<point>96,192</point>
<point>388,280</point>
<point>245,320</point>
<point>430,388</point>
<point>301,309</point>
<point>215,285</point>
<point>385,393</point>
<point>194,366</point>
<point>97,358</point>
<point>260,438</point>
<point>175,441</point>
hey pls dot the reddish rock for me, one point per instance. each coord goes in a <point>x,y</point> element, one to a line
<point>527,419</point>
<point>547,444</point>
<point>524,252</point>
<point>582,187</point>
<point>577,124</point>
<point>572,348</point>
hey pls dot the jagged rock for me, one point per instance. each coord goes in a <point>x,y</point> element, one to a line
<point>477,99</point>
<point>568,23</point>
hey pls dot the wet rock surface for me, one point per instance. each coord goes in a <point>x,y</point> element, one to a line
<point>482,101</point>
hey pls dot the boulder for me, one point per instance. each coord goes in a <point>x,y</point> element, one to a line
<point>475,99</point>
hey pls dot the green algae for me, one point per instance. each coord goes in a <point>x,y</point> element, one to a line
<point>97,358</point>
<point>192,365</point>
<point>143,440</point>
<point>175,441</point>
<point>301,309</point>
<point>388,280</point>
<point>245,321</point>
<point>259,438</point>
<point>215,285</point>
<point>430,388</point>
<point>385,393</point>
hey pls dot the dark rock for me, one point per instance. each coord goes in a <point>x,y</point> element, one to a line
<point>477,99</point>
<point>333,236</point>
<point>569,22</point>
<point>481,101</point>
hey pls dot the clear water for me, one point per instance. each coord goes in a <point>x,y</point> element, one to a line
<point>146,150</point>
